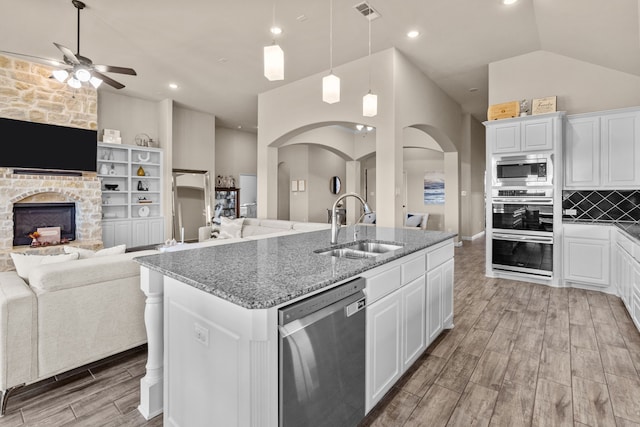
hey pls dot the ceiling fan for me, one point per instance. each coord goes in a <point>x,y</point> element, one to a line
<point>80,68</point>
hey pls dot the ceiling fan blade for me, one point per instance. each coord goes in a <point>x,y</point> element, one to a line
<point>114,69</point>
<point>68,53</point>
<point>47,61</point>
<point>108,80</point>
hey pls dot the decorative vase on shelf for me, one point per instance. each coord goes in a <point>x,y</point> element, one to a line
<point>104,170</point>
<point>140,171</point>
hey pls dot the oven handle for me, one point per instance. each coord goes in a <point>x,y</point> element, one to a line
<point>525,239</point>
<point>509,200</point>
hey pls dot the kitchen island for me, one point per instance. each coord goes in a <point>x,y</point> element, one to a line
<point>216,358</point>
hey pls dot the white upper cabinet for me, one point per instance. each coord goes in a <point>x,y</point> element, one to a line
<point>602,150</point>
<point>620,150</point>
<point>521,134</point>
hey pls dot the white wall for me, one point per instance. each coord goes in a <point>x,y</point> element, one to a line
<point>580,86</point>
<point>129,115</point>
<point>323,164</point>
<point>296,158</point>
<point>194,140</point>
<point>236,152</point>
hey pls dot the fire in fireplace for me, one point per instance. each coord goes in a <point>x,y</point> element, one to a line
<point>28,217</point>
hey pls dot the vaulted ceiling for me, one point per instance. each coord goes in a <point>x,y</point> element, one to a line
<point>213,48</point>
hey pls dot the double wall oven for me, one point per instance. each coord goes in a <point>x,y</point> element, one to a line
<point>522,206</point>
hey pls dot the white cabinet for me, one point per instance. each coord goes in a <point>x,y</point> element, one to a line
<point>585,255</point>
<point>627,274</point>
<point>131,181</point>
<point>602,150</point>
<point>384,338</point>
<point>402,304</point>
<point>522,134</point>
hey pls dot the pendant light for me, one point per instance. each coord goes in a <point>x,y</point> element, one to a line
<point>331,83</point>
<point>370,100</point>
<point>274,56</point>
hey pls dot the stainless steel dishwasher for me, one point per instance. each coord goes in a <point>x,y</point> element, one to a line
<point>322,358</point>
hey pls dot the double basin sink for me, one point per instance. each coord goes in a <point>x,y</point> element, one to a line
<point>360,249</point>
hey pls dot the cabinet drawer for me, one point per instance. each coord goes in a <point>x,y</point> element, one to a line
<point>587,231</point>
<point>412,269</point>
<point>440,255</point>
<point>383,284</point>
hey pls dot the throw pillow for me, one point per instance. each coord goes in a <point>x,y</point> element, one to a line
<point>88,253</point>
<point>24,263</point>
<point>413,220</point>
<point>231,228</point>
<point>369,218</point>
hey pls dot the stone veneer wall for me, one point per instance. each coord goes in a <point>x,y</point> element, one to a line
<point>28,93</point>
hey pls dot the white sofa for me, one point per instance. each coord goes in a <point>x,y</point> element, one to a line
<point>69,314</point>
<point>256,228</point>
<point>413,219</point>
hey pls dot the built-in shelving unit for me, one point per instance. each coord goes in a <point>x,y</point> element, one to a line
<point>131,183</point>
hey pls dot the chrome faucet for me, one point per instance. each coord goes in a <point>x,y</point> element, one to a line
<point>335,226</point>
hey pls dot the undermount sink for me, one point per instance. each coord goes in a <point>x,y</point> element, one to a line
<point>360,249</point>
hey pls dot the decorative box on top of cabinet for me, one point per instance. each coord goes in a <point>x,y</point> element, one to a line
<point>522,134</point>
<point>602,150</point>
<point>132,211</point>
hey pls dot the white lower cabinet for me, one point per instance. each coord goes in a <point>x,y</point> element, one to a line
<point>116,233</point>
<point>133,233</point>
<point>627,274</point>
<point>409,302</point>
<point>586,255</point>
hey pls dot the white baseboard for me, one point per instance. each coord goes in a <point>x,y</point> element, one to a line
<point>474,237</point>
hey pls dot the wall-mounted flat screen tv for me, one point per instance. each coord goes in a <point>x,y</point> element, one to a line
<point>30,145</point>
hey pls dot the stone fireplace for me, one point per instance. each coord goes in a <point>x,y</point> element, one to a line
<point>82,191</point>
<point>30,217</point>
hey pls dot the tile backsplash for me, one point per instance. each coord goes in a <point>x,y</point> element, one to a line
<point>609,205</point>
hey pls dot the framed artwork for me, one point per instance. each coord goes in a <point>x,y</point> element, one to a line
<point>294,185</point>
<point>434,188</point>
<point>301,185</point>
<point>543,105</point>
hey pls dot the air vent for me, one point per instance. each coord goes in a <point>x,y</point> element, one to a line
<point>367,11</point>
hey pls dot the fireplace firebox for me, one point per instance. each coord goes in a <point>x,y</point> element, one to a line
<point>28,217</point>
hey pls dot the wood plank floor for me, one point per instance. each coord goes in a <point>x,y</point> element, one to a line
<point>520,355</point>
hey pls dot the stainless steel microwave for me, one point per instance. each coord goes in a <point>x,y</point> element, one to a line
<point>523,170</point>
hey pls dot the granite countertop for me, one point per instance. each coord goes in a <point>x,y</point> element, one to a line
<point>631,228</point>
<point>263,273</point>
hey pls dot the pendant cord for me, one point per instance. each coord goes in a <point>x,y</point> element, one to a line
<point>331,36</point>
<point>273,23</point>
<point>78,51</point>
<point>369,55</point>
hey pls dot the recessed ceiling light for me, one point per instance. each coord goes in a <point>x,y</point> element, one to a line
<point>507,2</point>
<point>223,60</point>
<point>275,30</point>
<point>173,86</point>
<point>301,18</point>
<point>239,126</point>
<point>473,89</point>
<point>413,34</point>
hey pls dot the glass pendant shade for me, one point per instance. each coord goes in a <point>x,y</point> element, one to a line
<point>273,62</point>
<point>60,75</point>
<point>95,82</point>
<point>369,105</point>
<point>74,83</point>
<point>331,89</point>
<point>82,74</point>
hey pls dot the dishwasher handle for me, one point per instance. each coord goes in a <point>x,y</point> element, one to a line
<point>349,310</point>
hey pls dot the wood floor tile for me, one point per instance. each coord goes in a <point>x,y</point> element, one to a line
<point>597,299</point>
<point>488,320</point>
<point>12,419</point>
<point>474,407</point>
<point>523,368</point>
<point>457,371</point>
<point>534,319</point>
<point>490,370</point>
<point>530,340</point>
<point>445,347</point>
<point>591,404</point>
<point>621,422</point>
<point>421,378</point>
<point>553,405</point>
<point>502,341</point>
<point>557,338</point>
<point>105,396</point>
<point>607,333</point>
<point>617,361</point>
<point>435,409</point>
<point>555,366</point>
<point>602,314</point>
<point>583,336</point>
<point>397,411</point>
<point>625,395</point>
<point>635,358</point>
<point>511,320</point>
<point>587,364</point>
<point>475,342</point>
<point>128,402</point>
<point>514,405</point>
<point>96,417</point>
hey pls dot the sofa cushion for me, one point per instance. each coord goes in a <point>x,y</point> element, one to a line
<point>54,277</point>
<point>276,223</point>
<point>25,263</point>
<point>88,253</point>
<point>310,226</point>
<point>231,228</point>
<point>413,220</point>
